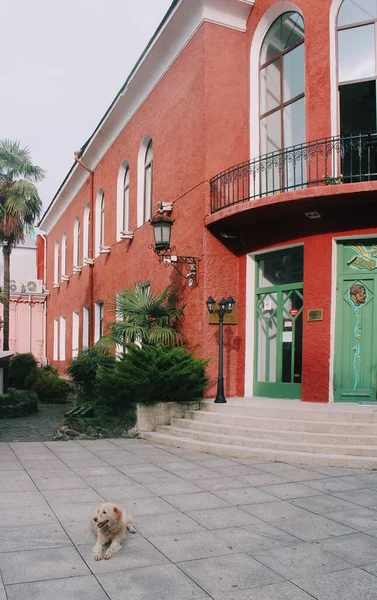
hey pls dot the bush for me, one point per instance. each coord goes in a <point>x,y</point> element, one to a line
<point>17,403</point>
<point>20,366</point>
<point>152,374</point>
<point>83,369</point>
<point>49,387</point>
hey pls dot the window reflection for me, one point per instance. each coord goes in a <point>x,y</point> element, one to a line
<point>356,11</point>
<point>356,53</point>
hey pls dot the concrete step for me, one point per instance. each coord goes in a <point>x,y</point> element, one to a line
<point>271,444</point>
<point>291,409</point>
<point>276,434</point>
<point>296,424</point>
<point>263,454</point>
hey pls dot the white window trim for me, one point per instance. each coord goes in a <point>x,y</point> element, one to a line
<point>124,167</point>
<point>334,93</point>
<point>75,333</point>
<point>56,264</point>
<point>55,351</point>
<point>62,330</point>
<point>63,258</point>
<point>141,179</point>
<point>85,327</point>
<point>76,243</point>
<point>85,240</point>
<point>97,315</point>
<point>99,242</point>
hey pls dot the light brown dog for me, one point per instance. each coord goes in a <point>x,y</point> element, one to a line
<point>110,524</point>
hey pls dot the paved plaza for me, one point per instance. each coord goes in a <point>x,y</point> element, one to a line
<point>207,527</point>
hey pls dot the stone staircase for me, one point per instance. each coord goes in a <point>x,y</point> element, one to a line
<point>342,435</point>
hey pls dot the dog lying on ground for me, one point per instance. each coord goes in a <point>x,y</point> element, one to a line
<point>110,524</point>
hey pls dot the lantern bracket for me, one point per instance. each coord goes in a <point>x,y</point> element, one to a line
<point>169,257</point>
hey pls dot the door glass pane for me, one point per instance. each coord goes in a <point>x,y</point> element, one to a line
<point>292,336</point>
<point>294,73</point>
<point>294,133</point>
<point>356,53</point>
<point>267,337</point>
<point>271,133</point>
<point>270,87</point>
<point>270,172</point>
<point>279,269</point>
<point>353,11</point>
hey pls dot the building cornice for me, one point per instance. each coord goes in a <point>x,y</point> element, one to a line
<point>179,25</point>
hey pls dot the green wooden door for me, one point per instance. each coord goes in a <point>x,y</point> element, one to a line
<point>278,335</point>
<point>356,309</point>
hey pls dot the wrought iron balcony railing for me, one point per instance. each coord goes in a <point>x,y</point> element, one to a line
<point>330,161</point>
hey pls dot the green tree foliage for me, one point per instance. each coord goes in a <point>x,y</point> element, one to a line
<point>83,369</point>
<point>21,365</point>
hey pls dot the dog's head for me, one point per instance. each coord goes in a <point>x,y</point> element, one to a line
<point>107,514</point>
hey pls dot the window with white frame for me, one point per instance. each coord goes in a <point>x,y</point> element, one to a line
<point>123,200</point>
<point>145,181</point>
<point>56,264</point>
<point>85,244</point>
<point>76,243</point>
<point>85,327</point>
<point>63,255</point>
<point>98,321</point>
<point>75,333</point>
<point>282,96</point>
<point>55,351</point>
<point>100,221</point>
<point>62,338</point>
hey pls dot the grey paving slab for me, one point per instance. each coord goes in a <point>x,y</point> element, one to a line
<point>313,527</point>
<point>10,465</point>
<point>337,471</point>
<point>151,583</point>
<point>79,531</point>
<point>176,486</point>
<point>222,483</point>
<point>279,510</point>
<point>301,559</point>
<point>139,469</point>
<point>134,490</point>
<point>350,584</point>
<point>214,462</point>
<point>31,537</point>
<point>245,495</point>
<point>367,480</point>
<point>12,486</point>
<point>290,473</point>
<point>218,518</point>
<point>80,511</point>
<point>2,593</point>
<point>140,507</point>
<point>335,484</point>
<point>260,478</point>
<point>166,524</point>
<point>274,591</point>
<point>238,470</point>
<point>189,546</point>
<point>197,473</point>
<point>136,552</point>
<point>323,504</point>
<point>370,568</point>
<point>197,501</point>
<point>228,573</point>
<point>36,515</point>
<point>101,481</point>
<point>362,519</point>
<point>96,471</point>
<point>357,548</point>
<point>56,497</point>
<point>286,491</point>
<point>37,565</point>
<point>74,588</point>
<point>363,497</point>
<point>61,483</point>
<point>256,537</point>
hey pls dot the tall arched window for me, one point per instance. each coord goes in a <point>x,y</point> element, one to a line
<point>123,200</point>
<point>145,181</point>
<point>100,221</point>
<point>56,264</point>
<point>63,259</point>
<point>76,243</point>
<point>85,245</point>
<point>282,91</point>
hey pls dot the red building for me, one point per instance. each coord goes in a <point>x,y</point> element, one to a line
<point>287,93</point>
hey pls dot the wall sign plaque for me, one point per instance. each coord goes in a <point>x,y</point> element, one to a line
<point>315,315</point>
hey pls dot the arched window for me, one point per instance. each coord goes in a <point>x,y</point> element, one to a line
<point>85,245</point>
<point>56,264</point>
<point>123,200</point>
<point>76,243</point>
<point>63,260</point>
<point>145,181</point>
<point>282,92</point>
<point>100,221</point>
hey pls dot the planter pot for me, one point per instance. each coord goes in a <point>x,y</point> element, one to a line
<point>149,417</point>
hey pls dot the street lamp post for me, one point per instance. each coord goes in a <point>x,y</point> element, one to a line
<point>224,307</point>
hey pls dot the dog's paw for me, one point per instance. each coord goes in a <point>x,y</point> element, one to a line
<point>98,556</point>
<point>131,528</point>
<point>108,554</point>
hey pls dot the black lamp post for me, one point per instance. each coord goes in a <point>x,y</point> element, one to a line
<point>224,307</point>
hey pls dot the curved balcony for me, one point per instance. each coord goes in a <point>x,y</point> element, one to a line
<point>329,161</point>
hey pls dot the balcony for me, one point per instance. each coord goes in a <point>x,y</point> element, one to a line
<point>329,161</point>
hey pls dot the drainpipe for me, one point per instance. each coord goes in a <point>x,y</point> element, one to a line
<point>90,244</point>
<point>30,323</point>
<point>44,333</point>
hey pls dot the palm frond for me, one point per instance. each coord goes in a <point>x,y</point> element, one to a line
<point>15,162</point>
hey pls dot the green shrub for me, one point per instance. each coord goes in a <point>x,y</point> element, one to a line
<point>152,374</point>
<point>49,387</point>
<point>83,369</point>
<point>17,403</point>
<point>20,367</point>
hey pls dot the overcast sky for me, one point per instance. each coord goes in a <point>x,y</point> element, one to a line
<point>62,64</point>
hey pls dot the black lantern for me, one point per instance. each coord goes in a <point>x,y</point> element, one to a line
<point>225,306</point>
<point>161,230</point>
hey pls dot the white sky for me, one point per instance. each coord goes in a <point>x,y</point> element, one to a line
<point>62,64</point>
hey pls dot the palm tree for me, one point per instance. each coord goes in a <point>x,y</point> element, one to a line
<point>20,205</point>
<point>144,318</point>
